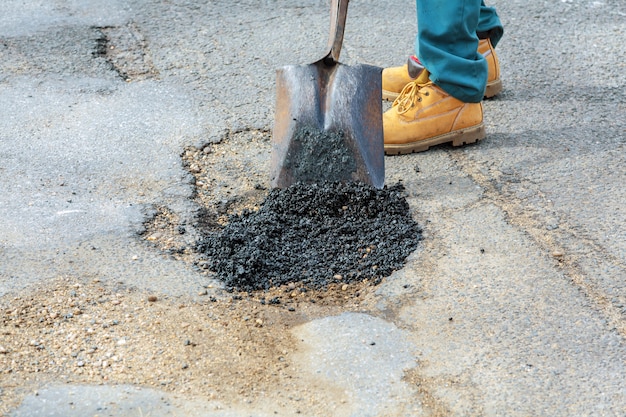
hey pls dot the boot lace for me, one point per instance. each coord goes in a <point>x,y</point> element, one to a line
<point>410,94</point>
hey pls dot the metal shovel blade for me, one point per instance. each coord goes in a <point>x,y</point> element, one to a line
<point>328,121</point>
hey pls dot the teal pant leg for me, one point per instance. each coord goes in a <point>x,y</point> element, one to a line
<point>447,45</point>
<point>489,22</point>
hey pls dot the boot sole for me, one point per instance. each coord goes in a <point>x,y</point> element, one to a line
<point>458,138</point>
<point>493,88</point>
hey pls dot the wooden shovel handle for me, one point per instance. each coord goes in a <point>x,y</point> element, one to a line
<point>338,13</point>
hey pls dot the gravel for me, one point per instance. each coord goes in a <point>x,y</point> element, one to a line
<point>219,349</point>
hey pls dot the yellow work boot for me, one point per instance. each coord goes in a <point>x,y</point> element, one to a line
<point>494,84</point>
<point>424,115</point>
<point>395,78</point>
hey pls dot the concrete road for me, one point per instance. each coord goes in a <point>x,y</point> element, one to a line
<point>515,303</point>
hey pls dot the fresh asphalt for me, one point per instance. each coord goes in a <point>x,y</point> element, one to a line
<point>514,305</point>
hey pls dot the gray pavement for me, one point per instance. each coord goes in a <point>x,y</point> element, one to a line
<point>515,303</point>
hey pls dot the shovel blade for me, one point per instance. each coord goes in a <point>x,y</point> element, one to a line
<point>328,125</point>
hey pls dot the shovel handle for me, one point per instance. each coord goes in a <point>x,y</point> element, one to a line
<point>338,12</point>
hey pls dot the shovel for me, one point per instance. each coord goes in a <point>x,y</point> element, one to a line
<point>328,121</point>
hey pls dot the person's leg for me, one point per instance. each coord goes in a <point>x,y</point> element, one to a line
<point>489,31</point>
<point>443,103</point>
<point>447,45</point>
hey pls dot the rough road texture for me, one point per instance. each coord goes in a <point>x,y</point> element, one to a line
<point>315,234</point>
<point>512,305</point>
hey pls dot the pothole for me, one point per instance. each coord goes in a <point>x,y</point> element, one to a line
<point>305,237</point>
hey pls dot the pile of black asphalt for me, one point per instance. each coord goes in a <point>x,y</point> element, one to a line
<point>313,235</point>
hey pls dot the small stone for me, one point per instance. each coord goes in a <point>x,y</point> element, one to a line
<point>558,254</point>
<point>338,277</point>
<point>3,350</point>
<point>135,257</point>
<point>153,237</point>
<point>152,298</point>
<point>207,150</point>
<point>344,287</point>
<point>202,292</point>
<point>80,364</point>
